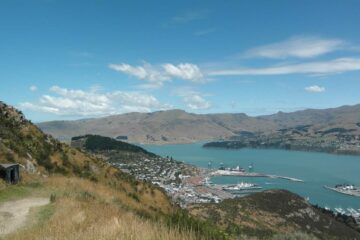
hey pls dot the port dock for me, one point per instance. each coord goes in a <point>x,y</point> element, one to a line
<point>250,174</point>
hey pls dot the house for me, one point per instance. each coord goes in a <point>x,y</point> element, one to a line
<point>10,172</point>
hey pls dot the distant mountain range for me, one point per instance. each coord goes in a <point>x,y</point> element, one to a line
<point>178,126</point>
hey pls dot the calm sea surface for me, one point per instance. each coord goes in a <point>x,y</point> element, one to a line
<point>316,169</point>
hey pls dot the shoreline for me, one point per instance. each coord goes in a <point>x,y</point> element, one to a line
<point>204,141</point>
<point>290,150</point>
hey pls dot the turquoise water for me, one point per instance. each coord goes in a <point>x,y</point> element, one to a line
<point>316,169</point>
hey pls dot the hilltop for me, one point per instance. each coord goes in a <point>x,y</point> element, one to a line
<point>177,126</point>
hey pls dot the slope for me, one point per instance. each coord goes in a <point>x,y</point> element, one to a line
<point>89,198</point>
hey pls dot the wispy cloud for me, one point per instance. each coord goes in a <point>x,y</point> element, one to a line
<point>81,54</point>
<point>191,15</point>
<point>33,88</point>
<point>80,103</point>
<point>315,89</point>
<point>297,47</point>
<point>204,32</point>
<point>193,99</point>
<point>155,76</point>
<point>322,67</point>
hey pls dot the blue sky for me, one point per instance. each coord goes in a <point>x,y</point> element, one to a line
<point>81,59</point>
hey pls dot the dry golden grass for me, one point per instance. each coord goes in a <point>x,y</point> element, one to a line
<point>86,210</point>
<point>75,219</point>
<point>108,194</point>
<point>93,200</point>
<point>2,185</point>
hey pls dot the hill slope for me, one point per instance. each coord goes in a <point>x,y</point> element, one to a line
<point>177,126</point>
<point>24,143</point>
<point>90,199</point>
<point>272,212</point>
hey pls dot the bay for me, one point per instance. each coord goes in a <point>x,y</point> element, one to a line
<point>316,169</point>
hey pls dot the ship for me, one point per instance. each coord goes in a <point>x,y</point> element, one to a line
<point>347,189</point>
<point>235,169</point>
<point>241,187</point>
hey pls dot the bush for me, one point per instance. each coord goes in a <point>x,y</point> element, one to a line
<point>52,197</point>
<point>203,229</point>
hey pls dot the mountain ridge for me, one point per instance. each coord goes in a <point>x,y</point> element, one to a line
<point>179,126</point>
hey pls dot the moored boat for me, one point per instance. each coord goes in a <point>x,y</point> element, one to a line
<point>242,186</point>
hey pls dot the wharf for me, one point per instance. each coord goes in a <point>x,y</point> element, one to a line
<point>247,174</point>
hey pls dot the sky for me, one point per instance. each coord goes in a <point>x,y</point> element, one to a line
<point>62,60</point>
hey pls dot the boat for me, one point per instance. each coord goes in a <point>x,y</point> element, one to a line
<point>207,181</point>
<point>347,189</point>
<point>242,186</point>
<point>271,183</point>
<point>353,212</point>
<point>340,210</point>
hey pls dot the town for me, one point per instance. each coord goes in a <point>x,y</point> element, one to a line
<point>184,183</point>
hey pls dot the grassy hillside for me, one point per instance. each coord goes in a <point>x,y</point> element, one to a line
<point>24,143</point>
<point>89,198</point>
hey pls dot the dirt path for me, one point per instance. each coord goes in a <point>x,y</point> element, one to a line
<point>13,214</point>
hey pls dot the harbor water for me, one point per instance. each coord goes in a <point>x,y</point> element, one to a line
<point>316,169</point>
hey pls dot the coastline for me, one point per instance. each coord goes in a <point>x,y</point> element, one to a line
<point>341,153</point>
<point>253,174</point>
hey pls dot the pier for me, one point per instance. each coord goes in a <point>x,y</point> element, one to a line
<point>252,174</point>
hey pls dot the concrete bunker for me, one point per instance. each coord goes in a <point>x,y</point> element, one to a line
<point>10,172</point>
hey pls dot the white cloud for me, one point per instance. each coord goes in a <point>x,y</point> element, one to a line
<point>155,76</point>
<point>68,102</point>
<point>146,72</point>
<point>298,47</point>
<point>186,71</point>
<point>33,88</point>
<point>325,67</point>
<point>193,100</point>
<point>315,89</point>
